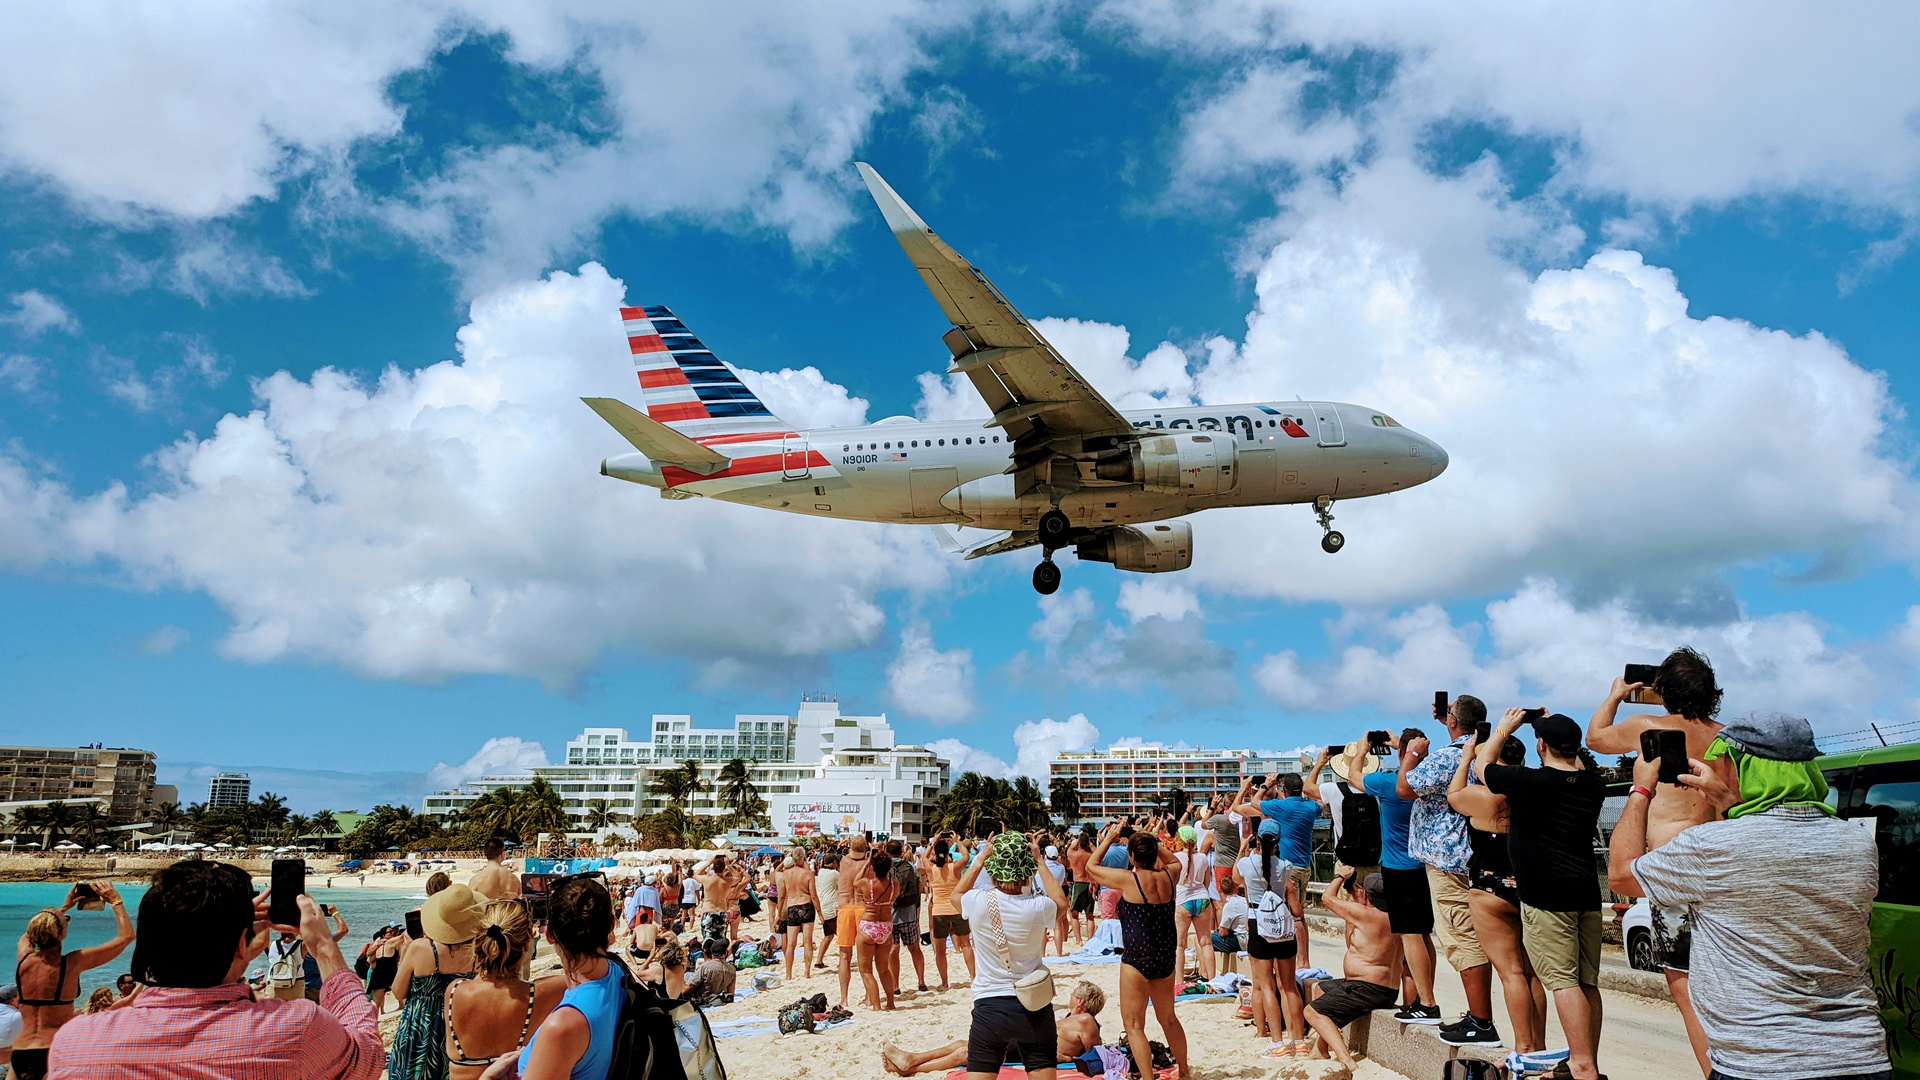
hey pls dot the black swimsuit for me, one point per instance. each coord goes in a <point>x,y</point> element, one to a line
<point>1147,931</point>
<point>57,987</point>
<point>460,1056</point>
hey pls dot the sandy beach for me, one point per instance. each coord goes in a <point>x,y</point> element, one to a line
<point>1220,1046</point>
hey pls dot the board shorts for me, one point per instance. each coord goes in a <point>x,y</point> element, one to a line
<point>799,914</point>
<point>876,933</point>
<point>1505,888</point>
<point>950,926</point>
<point>1082,898</point>
<point>906,922</point>
<point>1226,942</point>
<point>828,924</point>
<point>1409,903</point>
<point>850,916</point>
<point>712,925</point>
<point>1000,1022</point>
<point>1345,1000</point>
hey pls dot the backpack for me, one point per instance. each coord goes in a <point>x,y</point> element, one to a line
<point>286,970</point>
<point>1359,827</point>
<point>660,1038</point>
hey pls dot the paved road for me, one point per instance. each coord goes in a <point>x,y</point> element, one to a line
<point>1640,1039</point>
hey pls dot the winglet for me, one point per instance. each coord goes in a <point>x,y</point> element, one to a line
<point>900,217</point>
<point>655,439</point>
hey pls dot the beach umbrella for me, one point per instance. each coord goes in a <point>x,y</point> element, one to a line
<point>196,845</point>
<point>9,841</point>
<point>104,847</point>
<point>221,846</point>
<point>66,845</point>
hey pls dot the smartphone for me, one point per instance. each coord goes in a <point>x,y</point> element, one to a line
<point>1643,674</point>
<point>86,899</point>
<point>414,929</point>
<point>327,910</point>
<point>1483,733</point>
<point>1336,751</point>
<point>1377,743</point>
<point>1669,748</point>
<point>1439,704</point>
<point>1528,716</point>
<point>289,881</point>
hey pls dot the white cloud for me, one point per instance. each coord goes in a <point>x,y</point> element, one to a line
<point>451,519</point>
<point>163,641</point>
<point>506,755</point>
<point>20,372</point>
<point>1156,597</point>
<point>1660,104</point>
<point>1059,614</point>
<point>35,313</point>
<point>1036,743</point>
<point>1539,647</point>
<point>929,682</point>
<point>804,398</point>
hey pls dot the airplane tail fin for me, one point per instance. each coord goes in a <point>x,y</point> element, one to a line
<point>682,383</point>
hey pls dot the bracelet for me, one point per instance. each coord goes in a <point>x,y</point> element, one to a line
<point>1638,790</point>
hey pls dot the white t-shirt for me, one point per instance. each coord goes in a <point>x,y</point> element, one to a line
<point>827,884</point>
<point>689,890</point>
<point>9,1025</point>
<point>1026,920</point>
<point>1196,881</point>
<point>1233,916</point>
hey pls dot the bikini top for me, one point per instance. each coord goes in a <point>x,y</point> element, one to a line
<point>57,987</point>
<point>461,1058</point>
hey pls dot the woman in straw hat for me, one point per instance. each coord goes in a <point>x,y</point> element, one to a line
<point>450,920</point>
<point>495,1012</point>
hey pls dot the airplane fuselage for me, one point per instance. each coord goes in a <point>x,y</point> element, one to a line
<point>956,472</point>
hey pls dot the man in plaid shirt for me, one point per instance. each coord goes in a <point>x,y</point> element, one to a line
<point>200,926</point>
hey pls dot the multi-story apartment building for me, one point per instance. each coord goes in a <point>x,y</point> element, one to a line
<point>818,770</point>
<point>1123,779</point>
<point>229,789</point>
<point>119,779</point>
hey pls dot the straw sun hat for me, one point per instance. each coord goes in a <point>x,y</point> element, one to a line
<point>1356,752</point>
<point>452,915</point>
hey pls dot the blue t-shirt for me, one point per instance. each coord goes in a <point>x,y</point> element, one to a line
<point>1295,815</point>
<point>599,1002</point>
<point>1396,817</point>
<point>1116,857</point>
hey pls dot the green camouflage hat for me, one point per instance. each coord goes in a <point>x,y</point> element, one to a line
<point>1011,859</point>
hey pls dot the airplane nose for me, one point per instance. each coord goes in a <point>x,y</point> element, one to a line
<point>1440,458</point>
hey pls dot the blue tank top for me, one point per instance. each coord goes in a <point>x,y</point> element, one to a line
<point>599,1002</point>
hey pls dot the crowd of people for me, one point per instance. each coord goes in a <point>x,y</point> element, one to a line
<point>1448,845</point>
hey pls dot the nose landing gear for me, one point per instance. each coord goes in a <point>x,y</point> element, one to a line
<point>1323,512</point>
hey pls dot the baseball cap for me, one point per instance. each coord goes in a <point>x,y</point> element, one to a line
<point>1269,827</point>
<point>1561,734</point>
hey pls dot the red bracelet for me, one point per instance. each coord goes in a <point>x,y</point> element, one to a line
<point>1638,790</point>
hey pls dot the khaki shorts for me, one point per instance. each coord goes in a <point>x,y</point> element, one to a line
<point>1563,945</point>
<point>850,916</point>
<point>1300,876</point>
<point>1453,920</point>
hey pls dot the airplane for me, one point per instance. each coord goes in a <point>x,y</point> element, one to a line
<point>1056,465</point>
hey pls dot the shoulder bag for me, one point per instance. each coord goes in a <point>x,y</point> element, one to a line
<point>1034,989</point>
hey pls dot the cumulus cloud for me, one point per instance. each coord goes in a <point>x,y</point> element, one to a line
<point>932,683</point>
<point>34,313</point>
<point>1163,645</point>
<point>505,755</point>
<point>451,519</point>
<point>1156,597</point>
<point>1538,646</point>
<point>163,641</point>
<point>1035,742</point>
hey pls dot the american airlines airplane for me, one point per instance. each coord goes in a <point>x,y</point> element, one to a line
<point>1056,466</point>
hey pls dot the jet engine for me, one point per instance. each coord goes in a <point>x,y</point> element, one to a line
<point>1197,464</point>
<point>1153,548</point>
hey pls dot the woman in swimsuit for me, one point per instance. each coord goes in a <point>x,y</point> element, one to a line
<point>575,1041</point>
<point>1147,965</point>
<point>667,972</point>
<point>451,921</point>
<point>49,980</point>
<point>1495,900</point>
<point>1195,896</point>
<point>875,895</point>
<point>492,1014</point>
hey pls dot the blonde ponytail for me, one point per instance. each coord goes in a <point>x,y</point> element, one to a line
<point>505,933</point>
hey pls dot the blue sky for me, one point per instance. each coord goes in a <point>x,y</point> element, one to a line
<point>1652,286</point>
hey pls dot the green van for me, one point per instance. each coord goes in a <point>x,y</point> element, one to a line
<point>1884,783</point>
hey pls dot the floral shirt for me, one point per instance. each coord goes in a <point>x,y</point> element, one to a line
<point>1438,835</point>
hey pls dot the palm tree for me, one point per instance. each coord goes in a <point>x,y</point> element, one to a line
<point>541,810</point>
<point>736,786</point>
<point>297,826</point>
<point>1063,795</point>
<point>1025,806</point>
<point>680,784</point>
<point>324,823</point>
<point>967,807</point>
<point>600,814</point>
<point>53,819</point>
<point>1173,802</point>
<point>166,816</point>
<point>88,821</point>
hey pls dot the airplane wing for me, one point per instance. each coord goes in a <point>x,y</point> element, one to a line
<point>1036,396</point>
<point>655,439</point>
<point>1012,542</point>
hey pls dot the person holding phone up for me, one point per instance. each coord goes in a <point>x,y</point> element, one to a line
<point>1684,686</point>
<point>49,979</point>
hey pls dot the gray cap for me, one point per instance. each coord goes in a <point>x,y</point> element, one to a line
<point>9,994</point>
<point>1772,735</point>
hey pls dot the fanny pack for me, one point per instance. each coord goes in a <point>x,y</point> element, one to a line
<point>1034,989</point>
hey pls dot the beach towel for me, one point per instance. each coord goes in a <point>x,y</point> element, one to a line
<point>743,1025</point>
<point>1102,948</point>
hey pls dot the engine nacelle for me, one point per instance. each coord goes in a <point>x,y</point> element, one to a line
<point>1197,464</point>
<point>1154,548</point>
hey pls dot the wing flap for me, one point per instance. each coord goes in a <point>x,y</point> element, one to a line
<point>655,439</point>
<point>1011,542</point>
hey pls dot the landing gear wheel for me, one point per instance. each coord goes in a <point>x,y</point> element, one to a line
<point>1323,513</point>
<point>1046,578</point>
<point>1054,528</point>
<point>1332,542</point>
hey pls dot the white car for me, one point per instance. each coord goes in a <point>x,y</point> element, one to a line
<point>1636,934</point>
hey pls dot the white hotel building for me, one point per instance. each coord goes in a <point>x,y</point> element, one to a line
<point>1120,779</point>
<point>819,771</point>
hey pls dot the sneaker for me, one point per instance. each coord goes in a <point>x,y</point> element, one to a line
<point>1416,1013</point>
<point>1284,1049</point>
<point>1470,1031</point>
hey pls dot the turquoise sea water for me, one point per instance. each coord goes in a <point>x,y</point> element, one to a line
<point>365,910</point>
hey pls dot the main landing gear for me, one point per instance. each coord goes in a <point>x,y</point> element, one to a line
<point>1055,527</point>
<point>1323,512</point>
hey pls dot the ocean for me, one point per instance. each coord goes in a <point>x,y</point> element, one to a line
<point>365,910</point>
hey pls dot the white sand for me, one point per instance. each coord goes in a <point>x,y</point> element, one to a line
<point>1219,1045</point>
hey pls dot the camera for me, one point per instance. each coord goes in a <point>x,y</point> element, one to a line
<point>1378,743</point>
